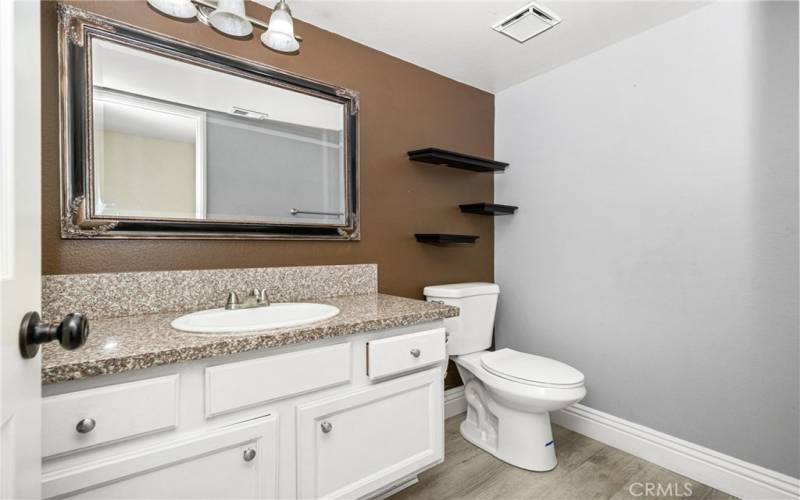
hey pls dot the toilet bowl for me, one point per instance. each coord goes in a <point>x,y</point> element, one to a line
<point>509,417</point>
<point>509,394</point>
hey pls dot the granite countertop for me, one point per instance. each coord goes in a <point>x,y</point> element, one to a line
<point>126,343</point>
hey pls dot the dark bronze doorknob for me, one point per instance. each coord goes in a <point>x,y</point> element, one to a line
<point>71,333</point>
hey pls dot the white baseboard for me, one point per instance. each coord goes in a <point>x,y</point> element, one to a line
<point>725,473</point>
<point>454,402</point>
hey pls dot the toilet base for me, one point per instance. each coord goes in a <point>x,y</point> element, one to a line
<point>510,419</point>
<point>524,440</point>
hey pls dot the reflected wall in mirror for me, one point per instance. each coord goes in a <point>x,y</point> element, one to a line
<point>163,139</point>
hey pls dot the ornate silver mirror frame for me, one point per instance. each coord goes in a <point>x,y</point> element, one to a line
<point>77,29</point>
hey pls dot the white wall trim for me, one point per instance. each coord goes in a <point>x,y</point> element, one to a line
<point>454,402</point>
<point>723,472</point>
<point>720,471</point>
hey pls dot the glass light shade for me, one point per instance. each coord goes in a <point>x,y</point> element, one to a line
<point>183,9</point>
<point>280,34</point>
<point>229,18</point>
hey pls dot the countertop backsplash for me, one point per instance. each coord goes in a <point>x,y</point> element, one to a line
<point>125,294</point>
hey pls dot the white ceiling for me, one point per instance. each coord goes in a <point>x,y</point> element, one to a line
<point>122,68</point>
<point>454,38</point>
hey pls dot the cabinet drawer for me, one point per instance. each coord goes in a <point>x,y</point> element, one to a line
<point>352,445</point>
<point>237,461</point>
<point>109,413</point>
<point>403,353</point>
<point>247,383</point>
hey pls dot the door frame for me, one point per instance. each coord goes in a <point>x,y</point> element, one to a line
<point>20,245</point>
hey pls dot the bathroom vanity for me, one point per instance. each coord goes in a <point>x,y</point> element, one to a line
<point>350,407</point>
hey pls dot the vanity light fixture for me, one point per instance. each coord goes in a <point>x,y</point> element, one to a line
<point>183,9</point>
<point>280,34</point>
<point>228,17</point>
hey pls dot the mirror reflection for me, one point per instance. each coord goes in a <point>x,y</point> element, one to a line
<point>201,144</point>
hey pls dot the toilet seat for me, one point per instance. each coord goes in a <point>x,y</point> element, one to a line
<point>519,394</point>
<point>530,369</point>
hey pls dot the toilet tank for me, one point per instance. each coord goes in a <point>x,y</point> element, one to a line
<point>472,330</point>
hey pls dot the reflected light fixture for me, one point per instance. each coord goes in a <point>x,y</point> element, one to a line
<point>229,18</point>
<point>280,34</point>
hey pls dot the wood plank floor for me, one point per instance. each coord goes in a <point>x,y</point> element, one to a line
<point>587,469</point>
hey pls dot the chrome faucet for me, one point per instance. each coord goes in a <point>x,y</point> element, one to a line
<point>256,298</point>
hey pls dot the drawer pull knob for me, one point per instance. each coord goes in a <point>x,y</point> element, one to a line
<point>249,454</point>
<point>326,427</point>
<point>86,425</point>
<point>415,352</point>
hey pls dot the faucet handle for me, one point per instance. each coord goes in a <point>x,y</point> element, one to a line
<point>262,296</point>
<point>233,300</point>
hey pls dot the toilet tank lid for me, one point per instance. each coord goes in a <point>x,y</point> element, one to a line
<point>459,290</point>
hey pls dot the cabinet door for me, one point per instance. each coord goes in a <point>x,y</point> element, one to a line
<point>237,461</point>
<point>355,444</point>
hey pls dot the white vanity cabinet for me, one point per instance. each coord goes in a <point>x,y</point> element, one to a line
<point>351,445</point>
<point>239,461</point>
<point>348,417</point>
<point>94,417</point>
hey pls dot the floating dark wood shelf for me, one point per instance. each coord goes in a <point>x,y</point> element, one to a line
<point>488,209</point>
<point>445,239</point>
<point>438,156</point>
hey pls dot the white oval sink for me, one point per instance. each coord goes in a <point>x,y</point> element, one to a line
<point>280,315</point>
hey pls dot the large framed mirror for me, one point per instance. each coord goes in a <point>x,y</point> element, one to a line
<point>163,139</point>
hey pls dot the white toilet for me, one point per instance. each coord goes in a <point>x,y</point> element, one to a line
<point>509,393</point>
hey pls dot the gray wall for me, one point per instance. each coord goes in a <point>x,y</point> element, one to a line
<point>656,247</point>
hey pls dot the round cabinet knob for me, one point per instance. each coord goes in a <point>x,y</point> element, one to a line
<point>326,427</point>
<point>415,352</point>
<point>249,454</point>
<point>85,425</point>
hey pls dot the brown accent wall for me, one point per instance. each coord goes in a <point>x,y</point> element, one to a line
<point>403,107</point>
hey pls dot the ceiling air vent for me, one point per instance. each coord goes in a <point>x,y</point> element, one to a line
<point>248,113</point>
<point>527,22</point>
